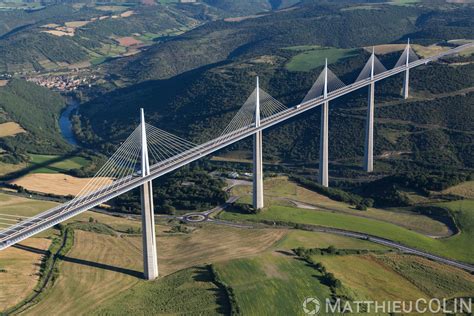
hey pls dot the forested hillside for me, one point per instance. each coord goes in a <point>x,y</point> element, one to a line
<point>309,24</point>
<point>37,110</point>
<point>62,35</point>
<point>430,130</point>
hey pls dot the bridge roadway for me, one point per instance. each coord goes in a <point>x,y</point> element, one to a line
<point>58,214</point>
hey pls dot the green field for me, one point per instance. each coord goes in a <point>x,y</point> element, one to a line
<point>300,238</point>
<point>281,191</point>
<point>458,247</point>
<point>272,284</point>
<point>314,56</point>
<point>184,292</point>
<point>55,164</point>
<point>433,278</point>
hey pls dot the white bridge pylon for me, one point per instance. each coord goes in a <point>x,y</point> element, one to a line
<point>133,166</point>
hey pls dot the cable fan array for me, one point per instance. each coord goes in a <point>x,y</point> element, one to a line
<point>317,90</point>
<point>164,147</point>
<point>403,58</point>
<point>245,117</point>
<point>121,165</point>
<point>366,72</point>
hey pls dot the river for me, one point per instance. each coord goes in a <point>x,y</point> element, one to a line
<point>65,121</point>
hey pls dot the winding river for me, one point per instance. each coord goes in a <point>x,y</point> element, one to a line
<point>65,123</point>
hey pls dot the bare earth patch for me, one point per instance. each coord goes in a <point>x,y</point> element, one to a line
<point>21,268</point>
<point>77,23</point>
<point>128,41</point>
<point>386,48</point>
<point>59,184</point>
<point>209,244</point>
<point>465,189</point>
<point>3,83</point>
<point>10,129</point>
<point>126,14</point>
<point>58,33</point>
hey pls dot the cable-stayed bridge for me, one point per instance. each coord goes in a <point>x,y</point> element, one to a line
<point>149,152</point>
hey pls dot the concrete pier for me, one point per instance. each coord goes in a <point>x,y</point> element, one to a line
<point>369,131</point>
<point>150,260</point>
<point>406,84</point>
<point>324,147</point>
<point>257,158</point>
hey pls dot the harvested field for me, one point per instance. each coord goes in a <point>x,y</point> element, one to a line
<point>10,129</point>
<point>370,279</point>
<point>209,244</point>
<point>128,41</point>
<point>97,268</point>
<point>126,14</point>
<point>76,23</point>
<point>21,268</point>
<point>58,33</point>
<point>386,48</point>
<point>59,184</point>
<point>465,189</point>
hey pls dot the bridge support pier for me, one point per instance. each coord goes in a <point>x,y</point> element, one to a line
<point>150,259</point>
<point>324,147</point>
<point>257,158</point>
<point>406,84</point>
<point>369,131</point>
<point>257,171</point>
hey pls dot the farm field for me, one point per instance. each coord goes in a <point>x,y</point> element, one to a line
<point>465,189</point>
<point>59,184</point>
<point>20,271</point>
<point>182,292</point>
<point>281,191</point>
<point>433,278</point>
<point>102,271</point>
<point>6,168</point>
<point>55,164</point>
<point>98,267</point>
<point>272,283</point>
<point>10,129</point>
<point>367,279</point>
<point>16,205</point>
<point>314,56</point>
<point>457,247</point>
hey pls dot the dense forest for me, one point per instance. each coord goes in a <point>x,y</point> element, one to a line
<point>37,110</point>
<point>188,189</point>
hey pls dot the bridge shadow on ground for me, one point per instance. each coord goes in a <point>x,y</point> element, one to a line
<point>30,249</point>
<point>103,266</point>
<point>98,265</point>
<point>36,166</point>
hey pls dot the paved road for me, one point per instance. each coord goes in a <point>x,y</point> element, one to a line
<point>45,220</point>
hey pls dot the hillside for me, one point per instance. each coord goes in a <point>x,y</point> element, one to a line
<point>306,24</point>
<point>89,34</point>
<point>36,110</point>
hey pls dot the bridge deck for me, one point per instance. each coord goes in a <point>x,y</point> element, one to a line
<point>49,218</point>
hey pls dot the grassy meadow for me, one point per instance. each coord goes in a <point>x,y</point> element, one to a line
<point>187,290</point>
<point>458,247</point>
<point>282,192</point>
<point>272,284</point>
<point>55,164</point>
<point>311,57</point>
